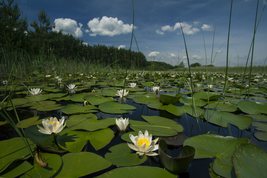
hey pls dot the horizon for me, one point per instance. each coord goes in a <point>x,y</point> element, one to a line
<point>157,27</point>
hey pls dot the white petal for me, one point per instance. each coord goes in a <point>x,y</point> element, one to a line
<point>152,154</point>
<point>133,147</point>
<point>133,138</point>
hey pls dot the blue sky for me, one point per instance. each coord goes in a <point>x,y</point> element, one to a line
<point>157,26</point>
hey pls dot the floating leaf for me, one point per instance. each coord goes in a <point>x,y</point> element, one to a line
<point>224,118</point>
<point>29,122</point>
<point>156,130</point>
<point>13,149</point>
<point>76,109</point>
<point>81,164</point>
<point>115,108</point>
<point>168,99</point>
<point>54,163</point>
<point>97,100</point>
<point>121,155</point>
<point>138,171</point>
<point>175,110</point>
<point>252,107</point>
<point>210,145</point>
<point>157,120</point>
<point>100,138</point>
<point>89,124</point>
<point>261,135</point>
<point>250,161</point>
<point>222,106</point>
<point>19,170</point>
<point>45,106</point>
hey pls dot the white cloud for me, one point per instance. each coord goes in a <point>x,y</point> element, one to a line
<point>173,55</point>
<point>206,27</point>
<point>159,32</point>
<point>121,46</point>
<point>196,57</point>
<point>108,26</point>
<point>68,26</point>
<point>188,29</point>
<point>153,54</point>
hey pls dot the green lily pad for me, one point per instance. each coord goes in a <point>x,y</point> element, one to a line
<point>168,99</point>
<point>261,135</point>
<point>224,118</point>
<point>210,145</point>
<point>252,107</point>
<point>151,100</point>
<point>108,92</point>
<point>196,111</point>
<point>88,123</point>
<point>115,108</point>
<point>157,120</point>
<point>100,138</point>
<point>259,118</point>
<point>19,170</point>
<point>197,101</point>
<point>14,149</point>
<point>221,106</point>
<point>54,162</point>
<point>219,147</point>
<point>262,126</point>
<point>29,122</point>
<point>77,109</point>
<point>154,129</point>
<point>82,164</point>
<point>121,155</point>
<point>137,171</point>
<point>97,100</point>
<point>45,106</point>
<point>175,110</point>
<point>209,96</point>
<point>250,161</point>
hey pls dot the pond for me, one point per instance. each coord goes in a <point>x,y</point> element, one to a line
<point>225,132</point>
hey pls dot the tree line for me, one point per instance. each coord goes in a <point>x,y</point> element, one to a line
<point>37,38</point>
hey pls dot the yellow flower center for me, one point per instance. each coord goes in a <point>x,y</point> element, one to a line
<point>143,141</point>
<point>52,122</point>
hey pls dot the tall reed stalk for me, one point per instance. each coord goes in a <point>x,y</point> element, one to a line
<point>227,51</point>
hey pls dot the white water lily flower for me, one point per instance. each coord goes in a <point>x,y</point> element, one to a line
<point>122,93</point>
<point>4,82</point>
<point>52,125</point>
<point>132,85</point>
<point>122,123</point>
<point>35,91</point>
<point>143,144</point>
<point>71,86</point>
<point>155,89</point>
<point>210,86</point>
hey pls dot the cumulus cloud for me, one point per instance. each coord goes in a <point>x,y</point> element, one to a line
<point>159,32</point>
<point>68,26</point>
<point>173,55</point>
<point>121,46</point>
<point>108,26</point>
<point>188,28</point>
<point>206,27</point>
<point>153,54</point>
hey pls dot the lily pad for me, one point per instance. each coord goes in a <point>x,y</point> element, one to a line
<point>121,155</point>
<point>19,170</point>
<point>244,156</point>
<point>45,106</point>
<point>137,171</point>
<point>54,163</point>
<point>115,108</point>
<point>14,149</point>
<point>77,109</point>
<point>154,129</point>
<point>221,106</point>
<point>224,118</point>
<point>82,164</point>
<point>29,122</point>
<point>163,121</point>
<point>97,100</point>
<point>252,107</point>
<point>261,136</point>
<point>175,110</point>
